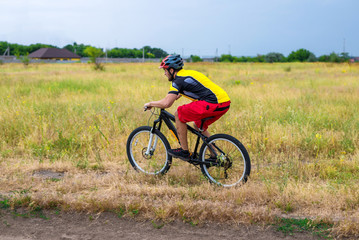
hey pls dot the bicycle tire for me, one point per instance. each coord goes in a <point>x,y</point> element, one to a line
<point>158,162</point>
<point>232,166</point>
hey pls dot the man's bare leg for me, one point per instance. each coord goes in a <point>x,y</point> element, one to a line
<point>207,134</point>
<point>182,132</point>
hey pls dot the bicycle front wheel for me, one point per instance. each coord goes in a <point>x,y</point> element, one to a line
<point>147,152</point>
<point>231,165</point>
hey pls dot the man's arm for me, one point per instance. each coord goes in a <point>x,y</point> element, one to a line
<point>163,103</point>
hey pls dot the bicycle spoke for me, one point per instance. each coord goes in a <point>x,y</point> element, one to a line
<point>230,167</point>
<point>147,151</point>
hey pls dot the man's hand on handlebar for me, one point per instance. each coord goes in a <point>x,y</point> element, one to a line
<point>147,106</point>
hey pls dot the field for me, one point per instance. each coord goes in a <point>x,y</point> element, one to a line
<point>299,122</point>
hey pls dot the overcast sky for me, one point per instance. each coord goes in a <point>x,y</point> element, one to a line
<point>239,27</point>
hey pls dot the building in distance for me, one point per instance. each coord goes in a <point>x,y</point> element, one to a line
<point>54,54</point>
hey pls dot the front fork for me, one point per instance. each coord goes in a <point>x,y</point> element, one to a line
<point>150,150</point>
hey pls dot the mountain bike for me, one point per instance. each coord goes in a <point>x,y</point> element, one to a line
<point>222,159</point>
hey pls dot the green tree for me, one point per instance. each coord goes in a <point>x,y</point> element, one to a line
<point>195,58</point>
<point>274,57</point>
<point>333,57</point>
<point>79,49</point>
<point>301,55</point>
<point>312,58</point>
<point>159,53</point>
<point>323,58</point>
<point>240,59</point>
<point>37,46</point>
<point>94,54</point>
<point>344,56</point>
<point>22,50</point>
<point>150,55</point>
<point>226,58</point>
<point>70,48</point>
<point>260,57</point>
<point>3,47</point>
<point>155,52</point>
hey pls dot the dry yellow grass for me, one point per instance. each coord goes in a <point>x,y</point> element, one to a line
<point>299,122</point>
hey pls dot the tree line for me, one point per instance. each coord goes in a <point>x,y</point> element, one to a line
<point>79,49</point>
<point>22,50</point>
<point>301,55</point>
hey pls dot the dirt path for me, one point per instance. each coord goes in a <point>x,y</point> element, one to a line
<point>66,226</point>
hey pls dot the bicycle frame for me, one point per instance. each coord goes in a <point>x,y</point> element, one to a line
<point>168,118</point>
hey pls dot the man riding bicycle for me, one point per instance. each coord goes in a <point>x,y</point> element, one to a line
<point>208,101</point>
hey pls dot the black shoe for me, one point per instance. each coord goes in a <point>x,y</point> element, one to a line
<point>179,153</point>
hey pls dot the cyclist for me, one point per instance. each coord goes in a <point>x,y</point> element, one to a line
<point>208,100</point>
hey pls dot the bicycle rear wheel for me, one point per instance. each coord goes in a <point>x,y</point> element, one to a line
<point>148,152</point>
<point>232,164</point>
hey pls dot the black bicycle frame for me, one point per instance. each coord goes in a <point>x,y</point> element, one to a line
<point>168,118</point>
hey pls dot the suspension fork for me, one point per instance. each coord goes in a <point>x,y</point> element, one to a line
<point>150,150</point>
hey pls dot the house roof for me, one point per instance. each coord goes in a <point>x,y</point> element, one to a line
<point>53,53</point>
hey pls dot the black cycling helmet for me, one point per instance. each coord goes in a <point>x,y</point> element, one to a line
<point>172,61</point>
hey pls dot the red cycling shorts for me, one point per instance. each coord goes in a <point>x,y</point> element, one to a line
<point>196,111</point>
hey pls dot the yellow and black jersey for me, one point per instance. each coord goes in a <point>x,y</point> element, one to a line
<point>197,86</point>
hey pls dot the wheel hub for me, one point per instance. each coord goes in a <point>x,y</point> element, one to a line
<point>146,156</point>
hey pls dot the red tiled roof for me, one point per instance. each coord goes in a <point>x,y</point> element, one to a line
<point>53,53</point>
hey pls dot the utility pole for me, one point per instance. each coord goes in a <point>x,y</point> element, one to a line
<point>216,57</point>
<point>143,54</point>
<point>7,51</point>
<point>344,46</point>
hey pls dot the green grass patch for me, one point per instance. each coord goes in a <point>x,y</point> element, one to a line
<point>4,203</point>
<point>35,213</point>
<point>289,226</point>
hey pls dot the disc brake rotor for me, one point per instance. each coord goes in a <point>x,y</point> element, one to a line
<point>146,156</point>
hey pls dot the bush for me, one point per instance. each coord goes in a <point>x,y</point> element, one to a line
<point>25,60</point>
<point>94,54</point>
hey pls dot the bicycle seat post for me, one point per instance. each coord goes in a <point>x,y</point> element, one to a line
<point>202,123</point>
